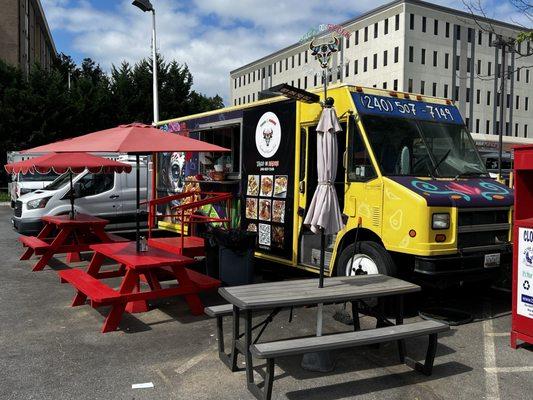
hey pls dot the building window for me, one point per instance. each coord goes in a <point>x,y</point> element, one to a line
<point>422,85</point>
<point>410,84</point>
<point>423,24</point>
<point>445,91</point>
<point>298,83</point>
<point>365,64</point>
<point>355,67</point>
<point>411,21</point>
<point>517,106</point>
<point>240,82</point>
<point>470,35</point>
<point>395,84</point>
<point>436,27</point>
<point>356,38</point>
<point>508,100</point>
<point>423,57</point>
<point>397,22</point>
<point>434,89</point>
<point>468,95</point>
<point>456,94</point>
<point>480,38</point>
<point>287,64</point>
<point>275,65</point>
<point>518,74</point>
<point>253,96</point>
<point>347,40</point>
<point>516,129</point>
<point>490,39</point>
<point>239,101</point>
<point>375,30</point>
<point>299,59</point>
<point>386,26</point>
<point>478,96</point>
<point>488,97</point>
<point>458,32</point>
<point>375,63</point>
<point>468,63</point>
<point>314,81</point>
<point>487,127</point>
<point>525,130</point>
<point>248,98</point>
<point>434,58</point>
<point>292,62</point>
<point>234,102</point>
<point>305,56</point>
<point>396,52</point>
<point>526,103</point>
<point>347,70</point>
<point>447,29</point>
<point>305,82</point>
<point>385,53</point>
<point>477,125</point>
<point>411,53</point>
<point>457,62</point>
<point>527,75</point>
<point>384,85</point>
<point>446,60</point>
<point>366,34</point>
<point>489,69</point>
<point>479,67</point>
<point>467,122</point>
<point>235,82</point>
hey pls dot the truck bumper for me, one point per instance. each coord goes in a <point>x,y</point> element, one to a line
<point>27,226</point>
<point>463,266</point>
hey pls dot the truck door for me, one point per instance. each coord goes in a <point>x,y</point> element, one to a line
<point>308,242</point>
<point>97,195</point>
<point>364,193</point>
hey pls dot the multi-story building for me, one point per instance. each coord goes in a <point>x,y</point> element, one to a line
<point>413,46</point>
<point>25,37</point>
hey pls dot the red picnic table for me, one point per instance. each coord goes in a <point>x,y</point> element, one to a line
<point>150,266</point>
<point>72,236</point>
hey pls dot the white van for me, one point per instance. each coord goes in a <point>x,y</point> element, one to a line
<point>22,184</point>
<point>109,196</point>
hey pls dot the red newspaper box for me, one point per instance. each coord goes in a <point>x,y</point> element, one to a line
<point>522,326</point>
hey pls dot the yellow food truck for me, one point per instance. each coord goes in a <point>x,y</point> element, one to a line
<point>415,194</point>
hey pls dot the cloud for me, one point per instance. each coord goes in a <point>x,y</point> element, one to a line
<point>212,37</point>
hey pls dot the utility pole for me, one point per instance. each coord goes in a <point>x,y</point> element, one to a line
<point>505,45</point>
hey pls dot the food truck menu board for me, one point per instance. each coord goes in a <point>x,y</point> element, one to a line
<point>268,176</point>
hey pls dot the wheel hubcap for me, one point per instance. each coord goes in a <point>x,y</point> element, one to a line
<point>361,264</point>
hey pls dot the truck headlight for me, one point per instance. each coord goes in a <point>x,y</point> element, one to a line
<point>440,221</point>
<point>37,203</point>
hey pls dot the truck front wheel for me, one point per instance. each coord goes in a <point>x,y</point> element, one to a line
<point>370,258</point>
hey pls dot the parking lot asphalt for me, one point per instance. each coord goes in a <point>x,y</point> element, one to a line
<point>49,350</point>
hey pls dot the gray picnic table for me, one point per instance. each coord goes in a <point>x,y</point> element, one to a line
<point>274,296</point>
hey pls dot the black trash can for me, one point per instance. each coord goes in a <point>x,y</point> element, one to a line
<point>235,256</point>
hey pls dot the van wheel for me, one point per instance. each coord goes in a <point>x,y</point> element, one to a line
<point>370,258</point>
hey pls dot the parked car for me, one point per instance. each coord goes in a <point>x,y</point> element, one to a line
<point>22,184</point>
<point>110,196</point>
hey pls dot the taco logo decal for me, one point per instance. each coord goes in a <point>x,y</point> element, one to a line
<point>268,134</point>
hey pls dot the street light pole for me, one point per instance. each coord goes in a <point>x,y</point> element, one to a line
<point>145,5</point>
<point>154,68</point>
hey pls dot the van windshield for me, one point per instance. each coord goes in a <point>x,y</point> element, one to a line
<point>36,177</point>
<point>61,181</point>
<point>422,148</point>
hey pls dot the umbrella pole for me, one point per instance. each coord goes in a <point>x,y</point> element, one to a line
<point>138,204</point>
<point>71,196</point>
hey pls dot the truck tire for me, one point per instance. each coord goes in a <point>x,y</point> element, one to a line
<point>370,258</point>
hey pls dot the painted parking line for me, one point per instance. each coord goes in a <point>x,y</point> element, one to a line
<point>498,370</point>
<point>191,363</point>
<point>497,334</point>
<point>492,388</point>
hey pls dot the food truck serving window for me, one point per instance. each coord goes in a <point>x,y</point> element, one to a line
<point>228,137</point>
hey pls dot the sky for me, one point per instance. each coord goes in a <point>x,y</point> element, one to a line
<point>212,37</point>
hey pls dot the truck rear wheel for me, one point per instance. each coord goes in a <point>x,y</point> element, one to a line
<point>370,258</point>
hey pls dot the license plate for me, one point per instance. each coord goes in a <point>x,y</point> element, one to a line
<point>492,260</point>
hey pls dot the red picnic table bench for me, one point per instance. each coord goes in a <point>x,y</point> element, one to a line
<point>151,266</point>
<point>71,236</point>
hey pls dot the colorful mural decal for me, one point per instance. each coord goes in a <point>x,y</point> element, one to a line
<point>459,193</point>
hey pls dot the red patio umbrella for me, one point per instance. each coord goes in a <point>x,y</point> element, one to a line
<point>134,139</point>
<point>69,162</point>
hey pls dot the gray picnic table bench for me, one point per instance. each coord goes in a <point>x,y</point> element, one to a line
<point>247,300</point>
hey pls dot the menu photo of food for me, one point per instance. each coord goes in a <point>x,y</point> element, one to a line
<point>252,227</point>
<point>253,185</point>
<point>264,234</point>
<point>267,183</point>
<point>265,209</point>
<point>278,236</point>
<point>278,211</point>
<point>280,186</point>
<point>251,208</point>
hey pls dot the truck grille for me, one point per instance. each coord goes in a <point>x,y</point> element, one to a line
<point>18,208</point>
<point>483,227</point>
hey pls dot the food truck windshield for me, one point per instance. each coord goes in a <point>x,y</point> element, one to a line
<point>418,138</point>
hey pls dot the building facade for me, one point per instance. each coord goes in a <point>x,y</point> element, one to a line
<point>412,46</point>
<point>25,38</point>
